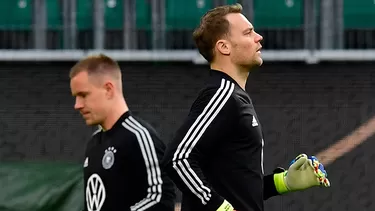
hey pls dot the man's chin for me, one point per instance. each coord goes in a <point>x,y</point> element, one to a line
<point>258,62</point>
<point>89,122</point>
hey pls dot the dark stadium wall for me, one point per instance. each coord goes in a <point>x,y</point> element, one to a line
<point>302,108</point>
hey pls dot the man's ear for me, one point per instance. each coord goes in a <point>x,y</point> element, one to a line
<point>223,46</point>
<point>110,89</point>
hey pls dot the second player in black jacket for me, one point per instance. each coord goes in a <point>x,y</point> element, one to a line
<point>122,171</point>
<point>122,161</point>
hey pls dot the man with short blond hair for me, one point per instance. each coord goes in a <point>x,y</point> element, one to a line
<point>121,168</point>
<point>216,157</point>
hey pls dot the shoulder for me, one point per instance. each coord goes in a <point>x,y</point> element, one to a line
<point>143,136</point>
<point>140,128</point>
<point>135,124</point>
<point>216,96</point>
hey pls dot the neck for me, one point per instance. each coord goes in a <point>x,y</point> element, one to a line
<point>239,74</point>
<point>115,113</point>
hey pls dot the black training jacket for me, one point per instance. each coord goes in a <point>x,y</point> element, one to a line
<point>122,169</point>
<point>217,153</point>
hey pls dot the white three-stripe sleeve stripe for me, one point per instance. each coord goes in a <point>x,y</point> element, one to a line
<point>146,159</point>
<point>151,147</point>
<point>199,192</point>
<point>154,175</point>
<point>180,162</point>
<point>151,161</point>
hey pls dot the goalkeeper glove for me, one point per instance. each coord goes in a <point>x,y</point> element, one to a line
<point>303,173</point>
<point>225,206</point>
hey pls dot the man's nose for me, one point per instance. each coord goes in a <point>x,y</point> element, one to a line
<point>78,104</point>
<point>258,37</point>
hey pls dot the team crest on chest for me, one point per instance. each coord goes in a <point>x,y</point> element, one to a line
<point>109,157</point>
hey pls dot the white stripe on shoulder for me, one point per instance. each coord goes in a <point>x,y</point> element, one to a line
<point>195,132</point>
<point>146,144</point>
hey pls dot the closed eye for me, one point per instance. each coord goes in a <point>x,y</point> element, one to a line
<point>81,94</point>
<point>248,31</point>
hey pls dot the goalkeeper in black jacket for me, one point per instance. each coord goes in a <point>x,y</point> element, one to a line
<point>216,157</point>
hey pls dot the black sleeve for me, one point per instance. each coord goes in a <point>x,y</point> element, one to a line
<point>269,184</point>
<point>210,117</point>
<point>167,201</point>
<point>145,157</point>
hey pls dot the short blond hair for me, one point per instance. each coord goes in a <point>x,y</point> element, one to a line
<point>97,64</point>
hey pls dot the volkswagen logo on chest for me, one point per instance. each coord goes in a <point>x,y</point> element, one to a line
<point>95,193</point>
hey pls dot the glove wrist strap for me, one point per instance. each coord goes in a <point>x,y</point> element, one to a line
<point>280,183</point>
<point>225,206</point>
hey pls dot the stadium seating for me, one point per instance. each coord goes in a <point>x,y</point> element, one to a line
<point>278,21</point>
<point>16,15</point>
<point>179,15</point>
<point>113,14</point>
<point>114,22</point>
<point>359,14</point>
<point>278,14</point>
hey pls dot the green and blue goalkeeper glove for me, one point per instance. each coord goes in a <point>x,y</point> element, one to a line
<point>304,172</point>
